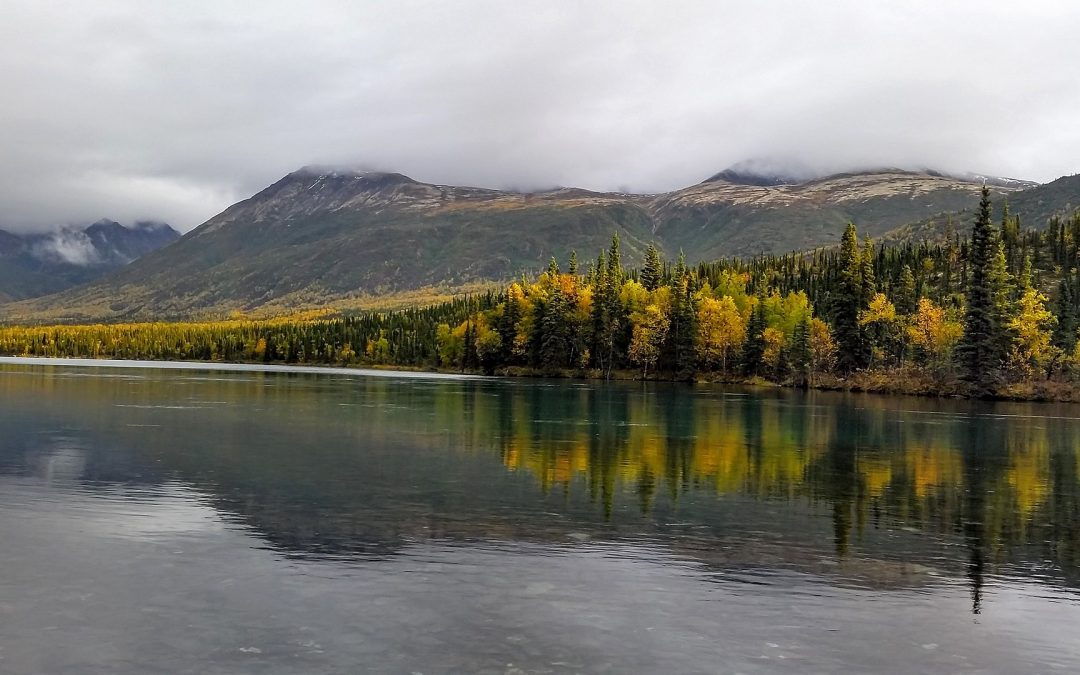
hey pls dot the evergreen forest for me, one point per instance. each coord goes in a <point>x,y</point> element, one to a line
<point>993,314</point>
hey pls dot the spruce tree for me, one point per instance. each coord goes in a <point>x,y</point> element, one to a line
<point>867,282</point>
<point>906,294</point>
<point>685,347</point>
<point>598,270</point>
<point>852,350</point>
<point>507,328</point>
<point>1010,236</point>
<point>754,347</point>
<point>614,261</point>
<point>1055,234</point>
<point>801,356</point>
<point>555,341</point>
<point>612,312</point>
<point>1004,294</point>
<point>553,268</point>
<point>652,271</point>
<point>1068,319</point>
<point>683,321</point>
<point>979,351</point>
<point>1026,279</point>
<point>598,314</point>
<point>536,333</point>
<point>468,357</point>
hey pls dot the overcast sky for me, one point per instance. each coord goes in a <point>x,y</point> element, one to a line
<point>174,110</point>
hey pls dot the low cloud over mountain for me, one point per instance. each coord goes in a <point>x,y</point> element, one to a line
<point>39,264</point>
<point>179,112</point>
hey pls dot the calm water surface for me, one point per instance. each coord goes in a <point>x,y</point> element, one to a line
<point>200,521</point>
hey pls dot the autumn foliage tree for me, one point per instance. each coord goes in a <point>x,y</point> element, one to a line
<point>1032,325</point>
<point>721,331</point>
<point>933,335</point>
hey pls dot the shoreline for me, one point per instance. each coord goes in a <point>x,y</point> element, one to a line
<point>231,367</point>
<point>888,383</point>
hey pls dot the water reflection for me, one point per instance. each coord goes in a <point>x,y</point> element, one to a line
<point>871,492</point>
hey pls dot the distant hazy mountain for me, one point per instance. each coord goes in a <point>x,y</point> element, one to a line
<point>32,265</point>
<point>322,234</point>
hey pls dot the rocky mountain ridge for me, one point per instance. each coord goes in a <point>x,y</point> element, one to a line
<point>319,235</point>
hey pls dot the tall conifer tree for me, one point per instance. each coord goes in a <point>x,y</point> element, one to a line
<point>801,356</point>
<point>684,321</point>
<point>979,351</point>
<point>867,282</point>
<point>754,347</point>
<point>612,313</point>
<point>906,293</point>
<point>852,353</point>
<point>1068,320</point>
<point>652,271</point>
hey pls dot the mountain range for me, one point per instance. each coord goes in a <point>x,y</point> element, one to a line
<point>322,235</point>
<point>33,265</point>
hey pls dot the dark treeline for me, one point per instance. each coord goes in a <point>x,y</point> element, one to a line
<point>995,313</point>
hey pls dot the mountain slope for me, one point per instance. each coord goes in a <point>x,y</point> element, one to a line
<point>1034,206</point>
<point>39,264</point>
<point>717,218</point>
<point>320,234</point>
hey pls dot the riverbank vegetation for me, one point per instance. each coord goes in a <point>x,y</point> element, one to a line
<point>995,314</point>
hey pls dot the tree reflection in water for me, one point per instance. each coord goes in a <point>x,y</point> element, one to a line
<point>335,466</point>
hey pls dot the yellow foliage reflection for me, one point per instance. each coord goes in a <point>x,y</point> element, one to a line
<point>909,466</point>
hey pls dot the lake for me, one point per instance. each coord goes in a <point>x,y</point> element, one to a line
<point>196,520</point>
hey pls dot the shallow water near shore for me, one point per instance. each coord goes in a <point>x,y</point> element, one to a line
<point>210,520</point>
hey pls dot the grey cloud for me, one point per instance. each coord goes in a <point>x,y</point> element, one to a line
<point>66,245</point>
<point>175,110</point>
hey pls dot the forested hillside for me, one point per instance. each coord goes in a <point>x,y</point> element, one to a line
<point>993,314</point>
